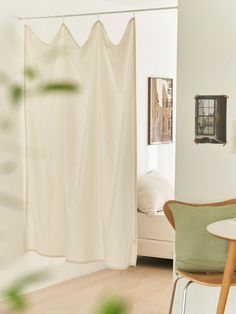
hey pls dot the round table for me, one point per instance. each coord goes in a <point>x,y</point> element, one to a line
<point>225,229</point>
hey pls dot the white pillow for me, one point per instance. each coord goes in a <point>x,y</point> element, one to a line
<point>153,191</point>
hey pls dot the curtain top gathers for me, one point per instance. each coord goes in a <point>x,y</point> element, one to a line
<point>98,26</point>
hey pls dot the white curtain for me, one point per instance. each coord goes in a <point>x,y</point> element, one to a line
<point>81,149</point>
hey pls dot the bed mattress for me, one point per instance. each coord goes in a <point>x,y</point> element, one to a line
<point>155,227</point>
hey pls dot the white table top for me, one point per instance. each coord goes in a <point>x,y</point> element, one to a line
<point>225,229</point>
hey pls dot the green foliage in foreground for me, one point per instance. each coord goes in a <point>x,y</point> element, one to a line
<point>17,301</point>
<point>14,293</point>
<point>16,94</point>
<point>16,90</point>
<point>67,87</point>
<point>113,305</point>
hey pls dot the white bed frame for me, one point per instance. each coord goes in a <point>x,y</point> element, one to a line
<point>155,236</point>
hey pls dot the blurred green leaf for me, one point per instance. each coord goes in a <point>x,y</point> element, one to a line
<point>10,201</point>
<point>113,305</point>
<point>14,294</point>
<point>31,73</point>
<point>16,94</point>
<point>23,282</point>
<point>18,302</point>
<point>4,78</point>
<point>5,124</point>
<point>7,167</point>
<point>58,87</point>
<point>55,52</point>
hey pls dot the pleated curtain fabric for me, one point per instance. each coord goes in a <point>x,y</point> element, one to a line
<point>81,149</point>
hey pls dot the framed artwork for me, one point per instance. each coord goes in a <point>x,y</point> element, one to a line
<point>160,110</point>
<point>210,119</point>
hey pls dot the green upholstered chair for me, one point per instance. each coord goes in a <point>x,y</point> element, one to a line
<point>200,257</point>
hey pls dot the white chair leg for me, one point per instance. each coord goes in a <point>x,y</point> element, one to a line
<point>185,296</point>
<point>173,293</point>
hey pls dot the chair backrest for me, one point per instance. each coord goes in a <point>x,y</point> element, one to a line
<point>169,214</point>
<point>197,250</point>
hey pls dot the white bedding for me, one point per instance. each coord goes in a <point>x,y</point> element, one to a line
<point>153,190</point>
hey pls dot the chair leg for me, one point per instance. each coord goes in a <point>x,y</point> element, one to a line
<point>185,296</point>
<point>173,293</point>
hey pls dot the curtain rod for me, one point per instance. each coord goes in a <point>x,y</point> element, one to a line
<point>95,13</point>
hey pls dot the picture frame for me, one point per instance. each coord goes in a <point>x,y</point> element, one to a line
<point>210,119</point>
<point>160,110</point>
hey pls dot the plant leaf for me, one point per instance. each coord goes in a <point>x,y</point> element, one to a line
<point>14,294</point>
<point>59,87</point>
<point>4,78</point>
<point>31,73</point>
<point>9,200</point>
<point>17,301</point>
<point>113,305</point>
<point>23,282</point>
<point>5,124</point>
<point>7,167</point>
<point>16,94</point>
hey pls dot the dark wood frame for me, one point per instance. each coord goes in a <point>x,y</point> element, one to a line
<point>219,135</point>
<point>150,142</point>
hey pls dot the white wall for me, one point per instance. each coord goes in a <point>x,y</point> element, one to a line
<point>156,51</point>
<point>206,65</point>
<point>156,57</point>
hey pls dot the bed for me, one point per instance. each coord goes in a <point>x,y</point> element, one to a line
<point>155,234</point>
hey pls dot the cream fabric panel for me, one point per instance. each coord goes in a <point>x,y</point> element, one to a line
<point>81,149</point>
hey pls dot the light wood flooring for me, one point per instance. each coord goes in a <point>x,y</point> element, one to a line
<point>146,288</point>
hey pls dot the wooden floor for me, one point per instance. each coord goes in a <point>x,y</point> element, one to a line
<point>146,288</point>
